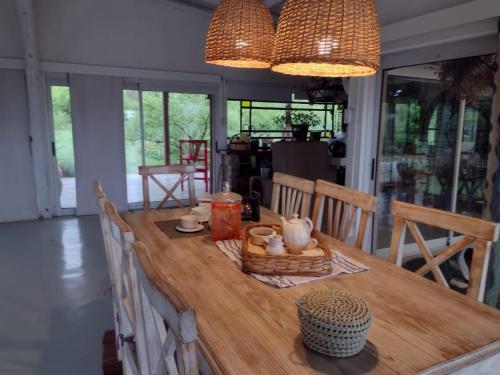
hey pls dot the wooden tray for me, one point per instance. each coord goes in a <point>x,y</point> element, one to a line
<point>285,265</point>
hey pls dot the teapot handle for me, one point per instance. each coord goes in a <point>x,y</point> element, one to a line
<point>309,223</point>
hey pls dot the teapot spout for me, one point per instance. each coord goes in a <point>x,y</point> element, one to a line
<point>283,221</point>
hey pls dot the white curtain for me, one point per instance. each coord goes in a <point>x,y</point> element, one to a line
<point>17,186</point>
<point>97,116</point>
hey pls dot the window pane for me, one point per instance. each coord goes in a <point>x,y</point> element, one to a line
<point>154,128</point>
<point>189,118</point>
<point>420,121</point>
<point>63,138</point>
<point>233,117</point>
<point>267,119</point>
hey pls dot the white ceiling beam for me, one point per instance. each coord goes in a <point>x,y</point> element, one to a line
<point>472,11</point>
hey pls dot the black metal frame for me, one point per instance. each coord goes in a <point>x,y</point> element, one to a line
<point>251,130</point>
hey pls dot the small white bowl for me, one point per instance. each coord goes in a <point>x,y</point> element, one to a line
<point>259,234</point>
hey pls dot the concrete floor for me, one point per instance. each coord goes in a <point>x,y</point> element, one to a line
<point>54,308</point>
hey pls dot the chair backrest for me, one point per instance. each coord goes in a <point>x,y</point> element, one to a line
<point>167,326</point>
<point>194,149</point>
<point>342,206</point>
<point>185,172</point>
<point>477,231</point>
<point>121,274</point>
<point>100,197</point>
<point>291,195</point>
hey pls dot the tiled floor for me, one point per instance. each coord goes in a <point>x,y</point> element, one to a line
<point>54,308</point>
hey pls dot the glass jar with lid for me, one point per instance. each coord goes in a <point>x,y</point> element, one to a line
<point>226,215</point>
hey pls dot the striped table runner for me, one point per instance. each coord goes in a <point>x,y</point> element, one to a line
<point>340,265</point>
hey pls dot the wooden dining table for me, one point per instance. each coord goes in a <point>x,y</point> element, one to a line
<point>248,327</point>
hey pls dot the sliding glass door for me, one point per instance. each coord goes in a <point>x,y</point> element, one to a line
<point>62,149</point>
<point>155,122</point>
<point>434,140</point>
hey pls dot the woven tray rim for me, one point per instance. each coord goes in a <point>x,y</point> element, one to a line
<point>322,261</point>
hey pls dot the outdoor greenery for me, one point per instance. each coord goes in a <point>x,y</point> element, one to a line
<point>63,132</point>
<point>300,118</point>
<point>272,116</point>
<point>188,118</point>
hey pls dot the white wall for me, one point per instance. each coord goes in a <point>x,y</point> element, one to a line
<point>11,40</point>
<point>17,192</point>
<point>97,118</point>
<point>146,34</point>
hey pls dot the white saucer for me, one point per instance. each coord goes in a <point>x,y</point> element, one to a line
<point>197,228</point>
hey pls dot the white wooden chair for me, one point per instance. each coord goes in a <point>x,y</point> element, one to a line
<point>342,205</point>
<point>105,222</point>
<point>185,172</point>
<point>480,232</point>
<point>101,209</point>
<point>291,195</point>
<point>167,326</point>
<point>121,241</point>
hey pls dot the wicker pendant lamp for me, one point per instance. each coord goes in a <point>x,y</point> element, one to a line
<point>241,35</point>
<point>328,38</point>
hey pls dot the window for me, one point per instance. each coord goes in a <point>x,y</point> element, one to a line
<point>154,124</point>
<point>63,146</point>
<point>267,119</point>
<point>435,129</point>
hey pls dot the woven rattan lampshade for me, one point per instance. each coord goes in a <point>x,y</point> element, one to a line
<point>328,38</point>
<point>241,35</point>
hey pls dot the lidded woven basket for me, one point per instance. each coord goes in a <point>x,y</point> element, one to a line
<point>334,323</point>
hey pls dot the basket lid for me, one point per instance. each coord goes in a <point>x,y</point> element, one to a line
<point>334,306</point>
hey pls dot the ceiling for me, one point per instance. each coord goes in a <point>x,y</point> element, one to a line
<point>390,11</point>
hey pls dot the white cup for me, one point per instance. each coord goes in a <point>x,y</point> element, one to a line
<point>202,213</point>
<point>189,221</point>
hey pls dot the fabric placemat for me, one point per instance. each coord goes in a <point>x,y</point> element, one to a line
<point>168,227</point>
<point>340,265</point>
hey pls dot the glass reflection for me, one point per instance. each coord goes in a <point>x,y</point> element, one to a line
<point>435,125</point>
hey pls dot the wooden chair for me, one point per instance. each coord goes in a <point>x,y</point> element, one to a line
<point>120,241</point>
<point>342,205</point>
<point>291,195</point>
<point>481,232</point>
<point>167,325</point>
<point>186,172</point>
<point>195,151</point>
<point>101,209</point>
<point>105,222</point>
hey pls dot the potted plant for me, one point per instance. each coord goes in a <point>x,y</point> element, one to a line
<point>300,122</point>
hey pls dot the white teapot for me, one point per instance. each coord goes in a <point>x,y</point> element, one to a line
<point>297,233</point>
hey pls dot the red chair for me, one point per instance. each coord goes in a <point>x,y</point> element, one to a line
<point>195,151</point>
